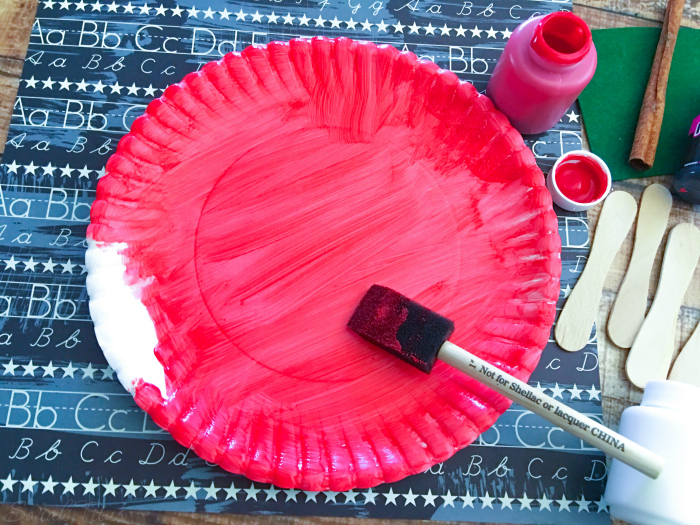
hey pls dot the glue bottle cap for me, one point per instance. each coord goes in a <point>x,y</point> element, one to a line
<point>562,38</point>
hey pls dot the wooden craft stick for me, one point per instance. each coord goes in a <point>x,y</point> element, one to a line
<point>573,328</point>
<point>652,351</point>
<point>651,114</point>
<point>630,306</point>
<point>686,369</point>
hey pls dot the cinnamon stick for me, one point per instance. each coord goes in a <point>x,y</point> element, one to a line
<point>651,115</point>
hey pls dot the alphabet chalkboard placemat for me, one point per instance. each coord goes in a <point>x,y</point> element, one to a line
<point>72,435</point>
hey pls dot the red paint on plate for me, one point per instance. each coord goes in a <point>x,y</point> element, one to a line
<point>263,196</point>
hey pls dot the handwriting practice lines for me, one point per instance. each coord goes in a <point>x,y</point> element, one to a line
<point>72,434</point>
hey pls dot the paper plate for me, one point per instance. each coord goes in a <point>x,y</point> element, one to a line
<point>247,212</point>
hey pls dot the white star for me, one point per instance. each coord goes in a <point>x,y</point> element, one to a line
<point>335,23</point>
<point>30,264</point>
<point>490,33</point>
<point>468,500</point>
<point>414,28</point>
<point>310,496</point>
<point>557,391</point>
<point>11,263</point>
<point>48,83</point>
<point>177,11</point>
<point>69,370</point>
<point>564,503</point>
<point>487,501</point>
<point>444,30</point>
<point>506,34</point>
<point>391,497</point>
<point>370,497</point>
<point>171,490</point>
<point>381,26</point>
<point>252,492</point>
<point>29,369</point>
<point>319,21</point>
<point>566,291</point>
<point>67,267</point>
<point>161,11</point>
<point>89,371</point>
<point>272,18</point>
<point>150,91</point>
<point>366,25</point>
<point>9,483</point>
<point>291,495</point>
<point>81,86</point>
<point>410,498</point>
<point>130,489</point>
<point>151,489</point>
<point>225,14</point>
<point>30,168</point>
<point>83,269</point>
<point>330,496</point>
<point>191,491</point>
<point>211,491</point>
<point>112,7</point>
<point>525,502</point>
<point>129,8</point>
<point>116,88</point>
<point>89,487</point>
<point>192,12</point>
<point>476,32</point>
<point>271,493</point>
<point>97,6</point>
<point>304,21</point>
<point>133,90</point>
<point>575,392</point>
<point>110,488</point>
<point>145,10</point>
<point>398,28</point>
<point>209,13</point>
<point>593,393</point>
<point>602,505</point>
<point>28,484</point>
<point>583,504</point>
<point>49,369</point>
<point>80,5</point>
<point>65,85</point>
<point>289,19</point>
<point>240,15</point>
<point>69,486</point>
<point>31,83</point>
<point>506,501</point>
<point>545,503</point>
<point>573,117</point>
<point>107,373</point>
<point>351,23</point>
<point>540,389</point>
<point>10,368</point>
<point>49,169</point>
<point>449,499</point>
<point>12,168</point>
<point>99,87</point>
<point>49,485</point>
<point>350,496</point>
<point>429,498</point>
<point>257,17</point>
<point>461,31</point>
<point>48,4</point>
<point>65,4</point>
<point>84,172</point>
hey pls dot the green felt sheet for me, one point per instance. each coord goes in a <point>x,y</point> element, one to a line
<point>610,104</point>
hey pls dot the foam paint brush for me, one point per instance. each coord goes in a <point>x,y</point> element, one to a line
<point>419,336</point>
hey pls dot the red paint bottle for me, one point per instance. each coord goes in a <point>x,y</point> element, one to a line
<point>544,67</point>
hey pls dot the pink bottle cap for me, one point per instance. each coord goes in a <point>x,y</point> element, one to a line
<point>562,38</point>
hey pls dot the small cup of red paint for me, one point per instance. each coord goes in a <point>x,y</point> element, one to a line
<point>579,180</point>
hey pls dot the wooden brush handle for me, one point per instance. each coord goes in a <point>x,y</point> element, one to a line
<point>652,351</point>
<point>573,328</point>
<point>631,303</point>
<point>561,415</point>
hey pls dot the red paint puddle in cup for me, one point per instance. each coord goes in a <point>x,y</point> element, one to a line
<point>581,179</point>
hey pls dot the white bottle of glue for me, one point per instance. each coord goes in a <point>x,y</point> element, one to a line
<point>668,423</point>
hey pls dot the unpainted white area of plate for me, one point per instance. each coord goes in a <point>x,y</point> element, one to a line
<point>123,327</point>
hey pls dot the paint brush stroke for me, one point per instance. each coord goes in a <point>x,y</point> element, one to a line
<point>261,197</point>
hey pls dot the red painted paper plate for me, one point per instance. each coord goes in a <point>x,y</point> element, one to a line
<point>247,212</point>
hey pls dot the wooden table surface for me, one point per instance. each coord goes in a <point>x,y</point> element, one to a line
<point>16,18</point>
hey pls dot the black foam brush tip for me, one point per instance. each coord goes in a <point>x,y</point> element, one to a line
<point>401,326</point>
